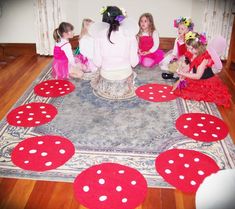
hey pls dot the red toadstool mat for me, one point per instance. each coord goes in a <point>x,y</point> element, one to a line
<point>32,114</point>
<point>110,185</point>
<point>202,127</point>
<point>54,88</point>
<point>185,169</point>
<point>42,153</point>
<point>155,92</point>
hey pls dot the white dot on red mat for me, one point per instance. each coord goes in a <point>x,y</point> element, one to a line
<point>57,82</point>
<point>57,142</point>
<point>200,124</point>
<point>119,188</point>
<point>42,107</point>
<point>28,106</point>
<point>181,155</point>
<point>21,112</point>
<point>188,118</point>
<point>21,148</point>
<point>124,200</point>
<point>185,126</point>
<point>18,122</point>
<point>165,87</point>
<point>196,134</point>
<point>40,142</point>
<point>51,87</point>
<point>37,122</point>
<point>26,161</point>
<point>65,84</point>
<point>43,154</point>
<point>200,173</point>
<point>98,172</point>
<point>68,89</point>
<point>160,91</point>
<point>86,188</point>
<point>62,92</point>
<point>101,181</point>
<point>17,116</point>
<point>218,128</point>
<point>48,116</point>
<point>141,90</point>
<point>167,171</point>
<point>192,182</point>
<point>31,113</point>
<point>196,159</point>
<point>186,165</point>
<point>41,88</point>
<point>163,96</point>
<point>203,131</point>
<point>181,176</point>
<point>103,198</point>
<point>214,135</point>
<point>121,171</point>
<point>203,118</point>
<point>212,122</point>
<point>171,92</point>
<point>60,88</point>
<point>32,151</point>
<point>171,161</point>
<point>150,87</point>
<point>45,84</point>
<point>133,182</point>
<point>44,112</point>
<point>30,119</point>
<point>150,92</point>
<point>48,163</point>
<point>62,151</point>
<point>151,97</point>
<point>47,92</point>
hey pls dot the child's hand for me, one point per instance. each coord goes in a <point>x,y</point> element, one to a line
<point>144,53</point>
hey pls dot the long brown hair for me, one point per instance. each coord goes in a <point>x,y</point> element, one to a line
<point>84,28</point>
<point>152,27</point>
<point>64,27</point>
<point>196,44</point>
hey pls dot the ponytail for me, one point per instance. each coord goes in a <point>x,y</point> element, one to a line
<point>56,35</point>
<point>113,27</point>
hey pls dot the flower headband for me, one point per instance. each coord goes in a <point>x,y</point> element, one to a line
<point>186,21</point>
<point>118,18</point>
<point>192,36</point>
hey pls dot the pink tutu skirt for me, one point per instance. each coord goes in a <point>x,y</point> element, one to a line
<point>60,69</point>
<point>150,60</point>
<point>86,65</point>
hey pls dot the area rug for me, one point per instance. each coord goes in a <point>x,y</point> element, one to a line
<point>131,132</point>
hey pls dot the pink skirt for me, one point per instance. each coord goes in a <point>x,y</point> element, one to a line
<point>60,69</point>
<point>150,60</point>
<point>85,64</point>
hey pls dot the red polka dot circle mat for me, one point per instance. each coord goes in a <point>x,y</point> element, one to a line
<point>202,127</point>
<point>155,92</point>
<point>185,169</point>
<point>54,88</point>
<point>110,185</point>
<point>42,153</point>
<point>32,114</point>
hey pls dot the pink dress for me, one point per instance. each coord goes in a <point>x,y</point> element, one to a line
<point>149,60</point>
<point>60,66</point>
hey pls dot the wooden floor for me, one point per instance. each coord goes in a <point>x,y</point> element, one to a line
<point>27,194</point>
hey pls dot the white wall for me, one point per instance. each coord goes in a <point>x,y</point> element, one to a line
<point>17,24</point>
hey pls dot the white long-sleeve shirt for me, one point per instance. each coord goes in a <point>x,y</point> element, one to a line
<point>67,48</point>
<point>155,40</point>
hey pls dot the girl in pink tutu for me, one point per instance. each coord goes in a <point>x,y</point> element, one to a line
<point>84,59</point>
<point>148,40</point>
<point>63,54</point>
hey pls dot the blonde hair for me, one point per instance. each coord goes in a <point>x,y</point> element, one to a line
<point>196,44</point>
<point>152,27</point>
<point>84,30</point>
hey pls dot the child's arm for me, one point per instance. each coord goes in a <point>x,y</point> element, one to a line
<point>97,53</point>
<point>67,48</point>
<point>134,58</point>
<point>155,42</point>
<point>196,76</point>
<point>175,49</point>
